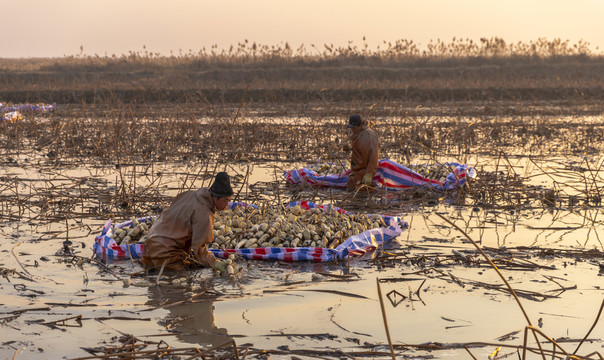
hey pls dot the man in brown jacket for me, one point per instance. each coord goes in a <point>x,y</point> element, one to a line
<point>365,152</point>
<point>184,230</point>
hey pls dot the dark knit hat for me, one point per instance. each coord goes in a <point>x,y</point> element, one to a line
<point>222,185</point>
<point>355,120</point>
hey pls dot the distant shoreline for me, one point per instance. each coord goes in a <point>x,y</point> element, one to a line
<point>403,97</point>
<point>497,84</point>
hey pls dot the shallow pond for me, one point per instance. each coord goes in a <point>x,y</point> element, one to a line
<point>57,305</point>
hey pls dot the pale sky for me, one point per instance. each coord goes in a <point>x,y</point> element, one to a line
<point>54,28</point>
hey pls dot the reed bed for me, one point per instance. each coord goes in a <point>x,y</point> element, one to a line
<point>459,70</point>
<point>160,134</point>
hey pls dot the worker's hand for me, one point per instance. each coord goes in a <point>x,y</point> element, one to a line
<point>367,179</point>
<point>220,265</point>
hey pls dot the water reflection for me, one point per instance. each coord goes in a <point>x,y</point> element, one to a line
<point>578,228</point>
<point>192,320</point>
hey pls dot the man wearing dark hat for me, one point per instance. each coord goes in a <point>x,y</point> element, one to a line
<point>184,230</point>
<point>365,152</point>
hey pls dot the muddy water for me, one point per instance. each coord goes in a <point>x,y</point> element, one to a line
<point>281,304</point>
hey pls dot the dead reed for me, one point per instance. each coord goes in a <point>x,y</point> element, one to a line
<point>125,154</point>
<point>459,70</point>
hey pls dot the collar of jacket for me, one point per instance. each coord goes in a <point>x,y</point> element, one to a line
<point>357,134</point>
<point>205,197</point>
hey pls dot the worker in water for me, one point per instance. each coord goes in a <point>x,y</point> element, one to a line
<point>365,151</point>
<point>179,238</point>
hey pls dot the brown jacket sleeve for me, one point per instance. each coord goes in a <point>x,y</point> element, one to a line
<point>205,256</point>
<point>202,223</point>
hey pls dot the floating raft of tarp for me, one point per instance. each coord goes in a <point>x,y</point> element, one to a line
<point>389,175</point>
<point>13,112</point>
<point>106,248</point>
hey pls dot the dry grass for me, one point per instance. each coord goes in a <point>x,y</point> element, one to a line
<point>457,70</point>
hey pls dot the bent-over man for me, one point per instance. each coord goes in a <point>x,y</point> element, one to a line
<point>184,230</point>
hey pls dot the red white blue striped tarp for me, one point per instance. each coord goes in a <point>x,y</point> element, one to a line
<point>12,113</point>
<point>106,248</point>
<point>44,108</point>
<point>389,175</point>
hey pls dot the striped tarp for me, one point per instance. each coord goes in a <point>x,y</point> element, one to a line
<point>106,248</point>
<point>44,108</point>
<point>12,113</point>
<point>389,175</point>
<point>355,245</point>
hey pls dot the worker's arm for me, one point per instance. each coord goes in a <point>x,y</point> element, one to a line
<point>201,237</point>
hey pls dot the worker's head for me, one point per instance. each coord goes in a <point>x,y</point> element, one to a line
<point>221,191</point>
<point>355,123</point>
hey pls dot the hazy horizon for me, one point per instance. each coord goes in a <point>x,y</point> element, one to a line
<point>41,28</point>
